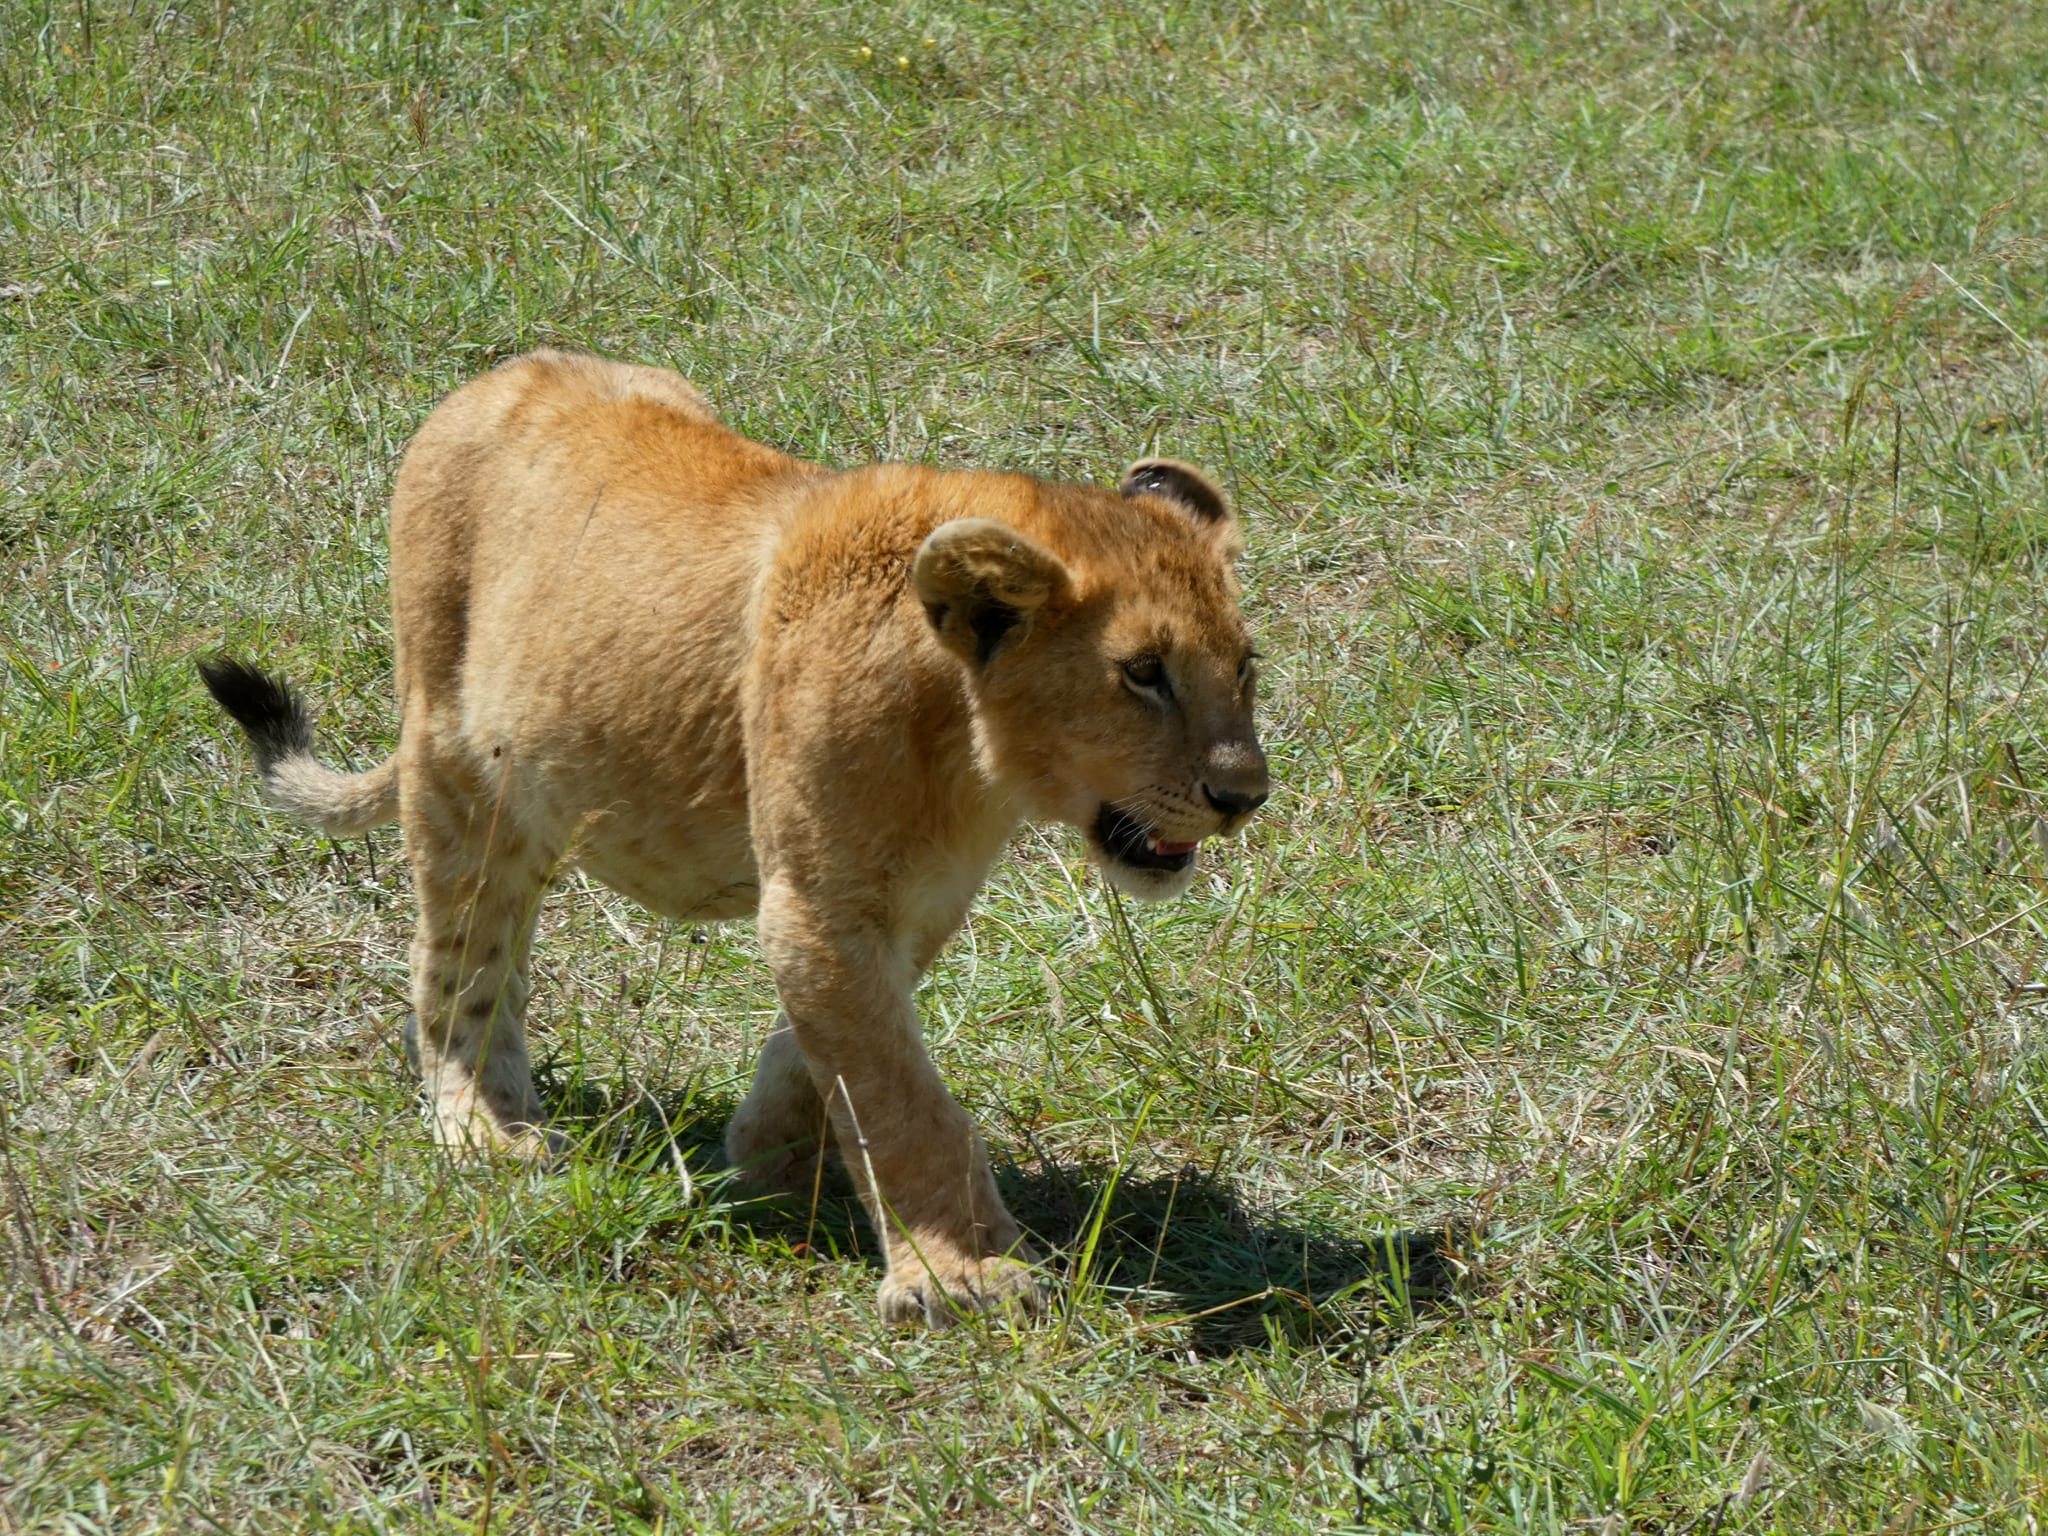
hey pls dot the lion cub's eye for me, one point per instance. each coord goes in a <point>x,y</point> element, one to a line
<point>1147,674</point>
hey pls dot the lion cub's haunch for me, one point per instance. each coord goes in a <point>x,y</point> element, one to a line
<point>725,682</point>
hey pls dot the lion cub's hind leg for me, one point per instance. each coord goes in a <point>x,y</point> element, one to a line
<point>780,1133</point>
<point>479,879</point>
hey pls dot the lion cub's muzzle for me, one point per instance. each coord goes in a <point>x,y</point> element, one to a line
<point>1235,782</point>
<point>1146,860</point>
<point>1131,842</point>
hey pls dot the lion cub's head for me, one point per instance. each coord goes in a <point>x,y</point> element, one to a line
<point>1108,661</point>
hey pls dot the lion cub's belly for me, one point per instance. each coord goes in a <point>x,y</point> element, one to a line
<point>699,871</point>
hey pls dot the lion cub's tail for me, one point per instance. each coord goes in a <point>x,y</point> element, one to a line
<point>279,728</point>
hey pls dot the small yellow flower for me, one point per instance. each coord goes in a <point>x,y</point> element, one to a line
<point>865,52</point>
<point>903,61</point>
<point>931,42</point>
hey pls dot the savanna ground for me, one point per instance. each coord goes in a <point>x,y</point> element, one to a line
<point>1638,414</point>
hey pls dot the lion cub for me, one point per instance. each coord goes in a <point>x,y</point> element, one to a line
<point>730,683</point>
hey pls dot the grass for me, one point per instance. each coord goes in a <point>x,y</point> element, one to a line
<point>1638,414</point>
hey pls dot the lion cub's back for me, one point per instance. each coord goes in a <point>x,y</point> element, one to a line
<point>540,423</point>
<point>574,547</point>
<point>550,474</point>
<point>602,379</point>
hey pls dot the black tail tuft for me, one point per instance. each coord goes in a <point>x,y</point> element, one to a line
<point>269,712</point>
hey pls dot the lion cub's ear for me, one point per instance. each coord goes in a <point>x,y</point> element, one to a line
<point>978,580</point>
<point>1183,484</point>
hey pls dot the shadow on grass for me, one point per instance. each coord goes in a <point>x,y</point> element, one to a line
<point>1185,1245</point>
<point>1189,1244</point>
<point>635,1127</point>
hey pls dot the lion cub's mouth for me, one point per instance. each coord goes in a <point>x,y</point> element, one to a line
<point>1129,841</point>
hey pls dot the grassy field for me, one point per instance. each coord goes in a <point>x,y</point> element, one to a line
<point>1638,414</point>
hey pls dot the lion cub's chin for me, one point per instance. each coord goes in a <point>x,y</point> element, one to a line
<point>1143,884</point>
<point>1135,859</point>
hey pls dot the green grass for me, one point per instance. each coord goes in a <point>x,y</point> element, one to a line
<point>1638,413</point>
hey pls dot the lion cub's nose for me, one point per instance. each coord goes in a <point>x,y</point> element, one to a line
<point>1234,803</point>
<point>1236,783</point>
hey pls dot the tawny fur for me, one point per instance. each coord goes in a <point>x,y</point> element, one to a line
<point>727,682</point>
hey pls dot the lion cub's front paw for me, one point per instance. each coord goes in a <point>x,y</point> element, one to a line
<point>470,1136</point>
<point>938,1293</point>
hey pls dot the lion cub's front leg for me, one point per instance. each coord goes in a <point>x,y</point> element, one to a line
<point>913,1153</point>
